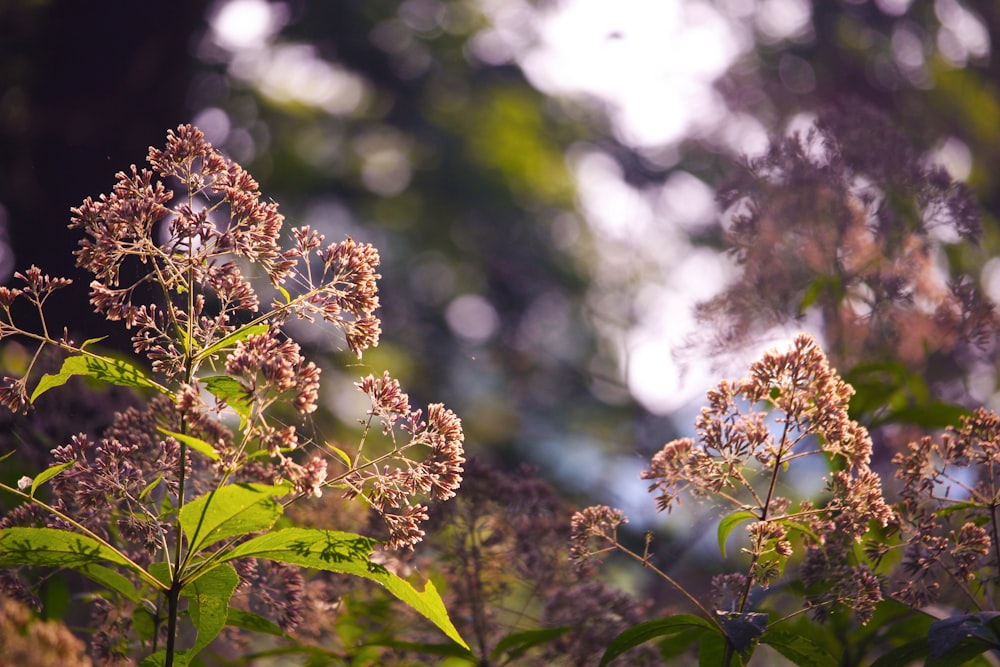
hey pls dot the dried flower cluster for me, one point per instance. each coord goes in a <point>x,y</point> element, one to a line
<point>845,221</point>
<point>28,641</point>
<point>950,495</point>
<point>438,476</point>
<point>173,251</point>
<point>740,453</point>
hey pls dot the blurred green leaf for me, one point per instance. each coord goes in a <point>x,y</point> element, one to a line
<point>644,632</point>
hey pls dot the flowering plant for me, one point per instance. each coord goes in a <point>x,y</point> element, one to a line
<point>174,504</point>
<point>752,439</point>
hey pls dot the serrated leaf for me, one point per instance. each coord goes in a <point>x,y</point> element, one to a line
<point>231,339</point>
<point>229,390</point>
<point>208,609</point>
<point>208,605</point>
<point>336,551</point>
<point>48,474</point>
<point>197,444</point>
<point>110,371</point>
<point>643,632</point>
<point>58,548</point>
<point>728,523</point>
<point>236,509</point>
<point>802,651</point>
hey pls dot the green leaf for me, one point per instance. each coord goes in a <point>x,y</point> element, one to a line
<point>230,390</point>
<point>729,522</point>
<point>239,618</point>
<point>335,551</point>
<point>712,652</point>
<point>48,474</point>
<point>150,486</point>
<point>111,580</point>
<point>209,604</point>
<point>932,414</point>
<point>801,650</point>
<point>450,649</point>
<point>197,444</point>
<point>904,655</point>
<point>957,507</point>
<point>102,369</point>
<point>53,547</point>
<point>91,341</point>
<point>643,632</point>
<point>284,293</point>
<point>342,454</point>
<point>231,339</point>
<point>144,623</point>
<point>236,509</point>
<point>800,527</point>
<point>516,643</point>
<point>678,644</point>
<point>208,608</point>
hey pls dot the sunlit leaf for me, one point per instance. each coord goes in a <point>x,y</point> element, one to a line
<point>91,341</point>
<point>208,608</point>
<point>232,339</point>
<point>348,553</point>
<point>284,293</point>
<point>112,580</point>
<point>236,509</point>
<point>728,523</point>
<point>149,487</point>
<point>342,454</point>
<point>48,474</point>
<point>197,444</point>
<point>102,369</point>
<point>229,390</point>
<point>53,547</point>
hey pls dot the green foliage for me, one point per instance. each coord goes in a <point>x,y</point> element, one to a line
<point>649,630</point>
<point>102,369</point>
<point>174,485</point>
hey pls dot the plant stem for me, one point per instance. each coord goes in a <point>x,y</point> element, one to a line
<point>173,595</point>
<point>670,580</point>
